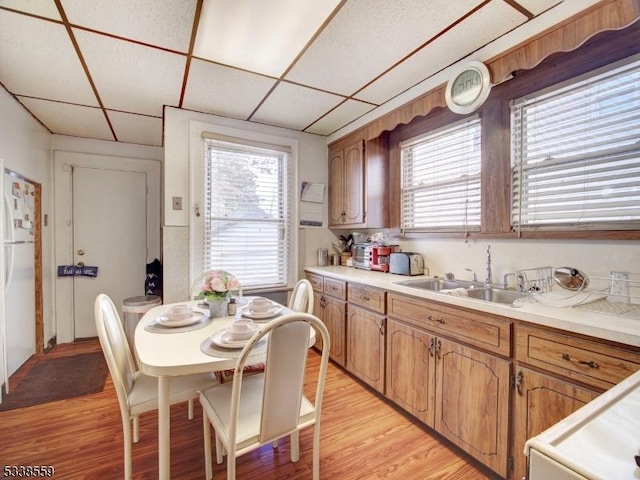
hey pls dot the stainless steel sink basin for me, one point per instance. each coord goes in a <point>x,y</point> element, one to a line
<point>495,295</point>
<point>434,284</point>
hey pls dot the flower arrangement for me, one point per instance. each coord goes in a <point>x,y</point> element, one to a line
<point>217,285</point>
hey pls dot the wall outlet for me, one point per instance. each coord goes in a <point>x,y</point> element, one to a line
<point>177,203</point>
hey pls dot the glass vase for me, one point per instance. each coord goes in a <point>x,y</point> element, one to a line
<point>218,307</point>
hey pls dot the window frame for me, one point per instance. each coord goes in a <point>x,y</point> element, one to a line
<point>197,201</point>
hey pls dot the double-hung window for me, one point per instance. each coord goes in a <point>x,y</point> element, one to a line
<point>576,153</point>
<point>441,179</point>
<point>248,209</point>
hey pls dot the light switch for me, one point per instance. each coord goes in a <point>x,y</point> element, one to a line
<point>177,203</point>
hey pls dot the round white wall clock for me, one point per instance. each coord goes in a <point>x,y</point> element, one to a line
<point>469,88</point>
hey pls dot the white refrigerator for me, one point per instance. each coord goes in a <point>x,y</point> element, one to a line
<point>18,335</point>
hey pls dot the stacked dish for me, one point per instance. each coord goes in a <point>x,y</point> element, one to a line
<point>236,335</point>
<point>261,308</point>
<point>179,315</point>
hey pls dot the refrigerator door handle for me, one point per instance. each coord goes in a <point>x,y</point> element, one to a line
<point>9,238</point>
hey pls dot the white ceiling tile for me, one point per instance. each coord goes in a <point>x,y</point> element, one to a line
<point>225,91</point>
<point>164,23</point>
<point>37,59</point>
<point>368,36</point>
<point>263,37</point>
<point>339,117</point>
<point>44,8</point>
<point>67,119</point>
<point>466,37</point>
<point>139,129</point>
<point>538,6</point>
<point>293,106</point>
<point>132,77</point>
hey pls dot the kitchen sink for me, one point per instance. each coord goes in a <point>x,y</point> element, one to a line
<point>473,290</point>
<point>434,284</point>
<point>495,295</point>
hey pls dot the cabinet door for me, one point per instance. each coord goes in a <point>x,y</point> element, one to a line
<point>365,340</point>
<point>318,311</point>
<point>337,214</point>
<point>472,402</point>
<point>540,402</point>
<point>333,316</point>
<point>411,370</point>
<point>354,184</point>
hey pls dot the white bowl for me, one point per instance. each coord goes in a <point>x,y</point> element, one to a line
<point>179,312</point>
<point>242,329</point>
<point>260,305</point>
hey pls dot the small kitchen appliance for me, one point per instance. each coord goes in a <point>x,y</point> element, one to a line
<point>406,263</point>
<point>380,257</point>
<point>361,253</point>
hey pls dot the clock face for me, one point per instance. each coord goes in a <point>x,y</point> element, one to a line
<point>466,87</point>
<point>468,90</point>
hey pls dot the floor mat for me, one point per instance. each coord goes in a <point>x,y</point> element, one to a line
<point>59,378</point>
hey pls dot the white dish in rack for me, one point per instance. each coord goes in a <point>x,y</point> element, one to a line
<point>168,322</point>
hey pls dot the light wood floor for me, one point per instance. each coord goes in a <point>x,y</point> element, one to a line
<point>363,437</point>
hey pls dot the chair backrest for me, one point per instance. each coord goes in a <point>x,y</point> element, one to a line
<point>301,299</point>
<point>284,374</point>
<point>115,348</point>
<point>195,286</point>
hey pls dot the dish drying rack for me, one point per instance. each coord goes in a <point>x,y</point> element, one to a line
<point>613,295</point>
<point>621,295</point>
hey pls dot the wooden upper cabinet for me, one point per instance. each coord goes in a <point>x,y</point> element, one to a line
<point>358,179</point>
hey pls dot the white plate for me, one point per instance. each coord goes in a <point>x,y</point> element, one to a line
<point>222,338</point>
<point>272,312</point>
<point>168,322</point>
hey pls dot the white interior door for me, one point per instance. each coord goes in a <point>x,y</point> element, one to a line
<point>109,231</point>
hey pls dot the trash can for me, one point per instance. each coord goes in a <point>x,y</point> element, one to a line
<point>133,309</point>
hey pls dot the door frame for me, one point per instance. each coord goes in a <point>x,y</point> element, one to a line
<point>63,228</point>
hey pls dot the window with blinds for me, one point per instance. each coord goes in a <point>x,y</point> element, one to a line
<point>441,179</point>
<point>576,153</point>
<point>248,212</point>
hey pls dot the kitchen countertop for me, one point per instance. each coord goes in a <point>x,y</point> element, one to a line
<point>619,329</point>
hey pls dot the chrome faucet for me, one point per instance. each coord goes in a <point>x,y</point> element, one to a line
<point>488,279</point>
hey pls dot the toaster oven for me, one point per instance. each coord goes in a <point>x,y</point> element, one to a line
<point>361,254</point>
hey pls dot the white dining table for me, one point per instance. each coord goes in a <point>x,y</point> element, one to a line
<point>166,355</point>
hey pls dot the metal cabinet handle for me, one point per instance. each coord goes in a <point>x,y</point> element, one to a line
<point>364,297</point>
<point>438,346</point>
<point>431,318</point>
<point>381,327</point>
<point>431,346</point>
<point>519,381</point>
<point>590,363</point>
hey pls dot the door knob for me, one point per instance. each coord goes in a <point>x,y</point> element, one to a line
<point>80,264</point>
<point>81,252</point>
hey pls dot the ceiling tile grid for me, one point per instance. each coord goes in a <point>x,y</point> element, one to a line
<point>213,88</point>
<point>300,64</point>
<point>42,65</point>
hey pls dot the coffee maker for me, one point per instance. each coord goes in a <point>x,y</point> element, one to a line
<point>380,257</point>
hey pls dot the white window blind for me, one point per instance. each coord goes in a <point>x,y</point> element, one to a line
<point>576,153</point>
<point>248,210</point>
<point>441,179</point>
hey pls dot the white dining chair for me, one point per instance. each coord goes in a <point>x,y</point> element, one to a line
<point>301,299</point>
<point>137,393</point>
<point>260,409</point>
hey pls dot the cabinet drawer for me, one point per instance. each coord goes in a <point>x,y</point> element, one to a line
<point>335,288</point>
<point>474,328</point>
<point>367,297</point>
<point>316,281</point>
<point>587,361</point>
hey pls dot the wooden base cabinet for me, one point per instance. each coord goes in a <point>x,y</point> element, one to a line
<point>329,305</point>
<point>472,402</point>
<point>365,336</point>
<point>411,370</point>
<point>540,402</point>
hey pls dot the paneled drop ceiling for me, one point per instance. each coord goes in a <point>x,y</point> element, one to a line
<point>105,69</point>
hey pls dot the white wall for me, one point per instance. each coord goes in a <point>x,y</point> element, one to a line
<point>312,167</point>
<point>25,147</point>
